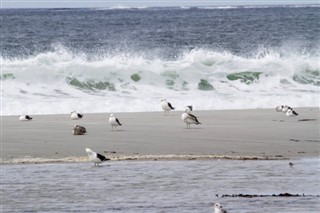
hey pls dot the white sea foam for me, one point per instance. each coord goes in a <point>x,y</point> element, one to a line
<point>61,81</point>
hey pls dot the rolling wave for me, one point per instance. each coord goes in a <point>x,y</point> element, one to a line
<point>61,81</point>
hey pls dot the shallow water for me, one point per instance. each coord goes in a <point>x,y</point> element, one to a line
<point>160,186</point>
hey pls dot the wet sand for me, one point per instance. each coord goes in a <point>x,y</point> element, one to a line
<point>231,134</point>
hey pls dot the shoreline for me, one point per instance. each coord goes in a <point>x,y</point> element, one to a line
<point>29,160</point>
<point>246,134</point>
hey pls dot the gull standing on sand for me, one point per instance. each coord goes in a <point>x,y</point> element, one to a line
<point>291,113</point>
<point>79,130</point>
<point>279,108</point>
<point>75,116</point>
<point>218,208</point>
<point>188,109</point>
<point>166,106</point>
<point>25,118</point>
<point>285,108</point>
<point>114,122</point>
<point>189,119</point>
<point>96,158</point>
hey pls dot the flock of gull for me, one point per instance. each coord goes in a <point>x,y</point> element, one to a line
<point>286,109</point>
<point>97,158</point>
<point>187,117</point>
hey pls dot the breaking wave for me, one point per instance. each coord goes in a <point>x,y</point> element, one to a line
<point>61,81</point>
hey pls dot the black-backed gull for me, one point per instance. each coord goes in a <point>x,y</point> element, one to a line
<point>166,106</point>
<point>25,118</point>
<point>189,119</point>
<point>188,109</point>
<point>113,121</point>
<point>75,116</point>
<point>291,113</point>
<point>96,158</point>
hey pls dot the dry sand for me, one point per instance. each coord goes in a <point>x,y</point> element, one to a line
<point>234,134</point>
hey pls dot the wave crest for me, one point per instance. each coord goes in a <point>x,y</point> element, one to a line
<point>212,79</point>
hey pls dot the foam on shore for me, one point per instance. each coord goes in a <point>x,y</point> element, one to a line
<point>30,160</point>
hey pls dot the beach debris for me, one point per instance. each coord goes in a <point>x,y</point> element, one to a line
<point>114,122</point>
<point>79,130</point>
<point>166,106</point>
<point>96,158</point>
<point>307,119</point>
<point>25,118</point>
<point>111,152</point>
<point>75,116</point>
<point>218,208</point>
<point>296,140</point>
<point>189,118</point>
<point>317,141</point>
<point>272,195</point>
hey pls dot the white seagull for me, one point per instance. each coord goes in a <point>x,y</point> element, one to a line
<point>25,118</point>
<point>75,116</point>
<point>285,108</point>
<point>79,130</point>
<point>189,118</point>
<point>166,106</point>
<point>114,122</point>
<point>188,109</point>
<point>96,158</point>
<point>218,208</point>
<point>291,113</point>
<point>279,108</point>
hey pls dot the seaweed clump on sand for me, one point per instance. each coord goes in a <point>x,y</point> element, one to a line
<point>272,195</point>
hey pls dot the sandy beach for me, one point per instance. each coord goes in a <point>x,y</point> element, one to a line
<point>231,134</point>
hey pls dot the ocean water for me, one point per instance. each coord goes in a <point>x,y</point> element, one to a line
<point>127,59</point>
<point>161,186</point>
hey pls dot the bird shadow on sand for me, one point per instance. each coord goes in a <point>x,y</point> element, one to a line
<point>117,130</point>
<point>193,128</point>
<point>100,166</point>
<point>170,115</point>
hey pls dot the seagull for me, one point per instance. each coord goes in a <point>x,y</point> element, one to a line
<point>96,158</point>
<point>79,130</point>
<point>188,109</point>
<point>290,164</point>
<point>166,106</point>
<point>218,208</point>
<point>114,122</point>
<point>279,108</point>
<point>25,118</point>
<point>285,108</point>
<point>189,118</point>
<point>75,116</point>
<point>291,113</point>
